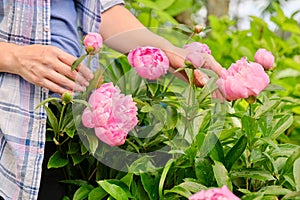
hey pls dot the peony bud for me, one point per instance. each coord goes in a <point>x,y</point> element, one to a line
<point>198,29</point>
<point>92,43</point>
<point>265,58</point>
<point>67,97</point>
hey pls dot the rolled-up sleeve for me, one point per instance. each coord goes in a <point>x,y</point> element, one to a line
<point>107,4</point>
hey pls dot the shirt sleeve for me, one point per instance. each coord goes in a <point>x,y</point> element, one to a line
<point>107,4</point>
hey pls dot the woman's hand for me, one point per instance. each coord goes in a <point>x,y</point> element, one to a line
<point>47,66</point>
<point>177,58</point>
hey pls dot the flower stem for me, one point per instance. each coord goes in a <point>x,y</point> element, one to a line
<point>189,101</point>
<point>89,61</point>
<point>168,85</point>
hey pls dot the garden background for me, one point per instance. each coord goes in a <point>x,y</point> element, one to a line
<point>185,141</point>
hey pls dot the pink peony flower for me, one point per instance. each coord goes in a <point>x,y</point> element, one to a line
<point>195,49</point>
<point>265,58</point>
<point>92,43</point>
<point>149,62</point>
<point>214,194</point>
<point>242,80</point>
<point>112,116</point>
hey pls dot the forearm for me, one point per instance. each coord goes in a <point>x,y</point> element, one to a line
<point>121,31</point>
<point>7,54</point>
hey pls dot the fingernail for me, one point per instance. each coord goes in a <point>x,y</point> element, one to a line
<point>205,80</point>
<point>91,76</point>
<point>86,83</point>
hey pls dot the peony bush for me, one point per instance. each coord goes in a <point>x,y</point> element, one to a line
<point>167,139</point>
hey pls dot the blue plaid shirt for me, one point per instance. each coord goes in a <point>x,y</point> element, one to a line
<point>22,127</point>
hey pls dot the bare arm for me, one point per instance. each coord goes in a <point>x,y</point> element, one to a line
<point>122,31</point>
<point>45,66</point>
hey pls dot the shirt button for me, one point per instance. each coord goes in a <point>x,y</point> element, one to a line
<point>46,28</point>
<point>44,90</point>
<point>41,151</point>
<point>44,121</point>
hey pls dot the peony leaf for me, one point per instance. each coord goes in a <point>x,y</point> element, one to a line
<point>82,192</point>
<point>52,119</point>
<point>296,172</point>
<point>93,142</point>
<point>117,189</point>
<point>221,175</point>
<point>178,189</point>
<point>281,125</point>
<point>56,161</point>
<point>256,174</point>
<point>97,193</point>
<point>150,185</point>
<point>163,177</point>
<point>275,190</point>
<point>288,167</point>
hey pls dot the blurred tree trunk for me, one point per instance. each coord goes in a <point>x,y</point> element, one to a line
<point>217,8</point>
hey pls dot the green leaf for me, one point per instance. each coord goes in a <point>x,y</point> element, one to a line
<point>116,189</point>
<point>217,153</point>
<point>179,6</point>
<point>127,179</point>
<point>52,119</point>
<point>204,171</point>
<point>296,172</point>
<point>287,168</point>
<point>274,190</point>
<point>78,61</point>
<point>97,193</point>
<point>163,177</point>
<point>178,189</point>
<point>70,132</point>
<point>292,196</point>
<point>235,152</point>
<point>163,4</point>
<point>83,102</point>
<point>141,165</point>
<point>269,106</point>
<point>282,124</point>
<point>56,161</point>
<point>252,174</point>
<point>221,175</point>
<point>250,127</point>
<point>150,185</point>
<point>82,192</point>
<point>208,144</point>
<point>93,142</point>
<point>77,158</point>
<point>253,196</point>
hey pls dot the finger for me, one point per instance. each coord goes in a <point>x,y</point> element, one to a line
<point>218,95</point>
<point>200,78</point>
<point>85,72</point>
<point>64,82</point>
<point>55,87</point>
<point>68,60</point>
<point>211,63</point>
<point>65,70</point>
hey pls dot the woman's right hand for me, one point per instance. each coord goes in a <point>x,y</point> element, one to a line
<point>45,66</point>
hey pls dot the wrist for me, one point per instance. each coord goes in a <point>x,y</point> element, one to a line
<point>176,56</point>
<point>8,57</point>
